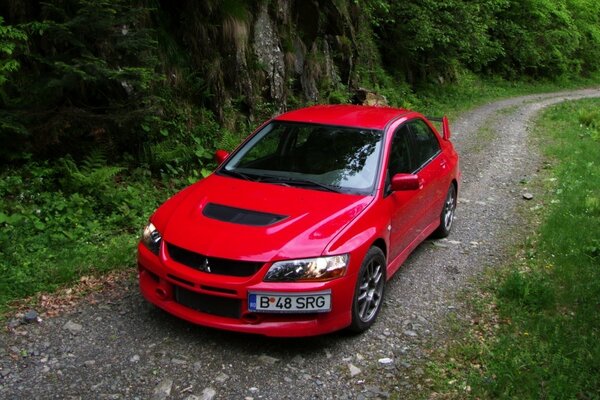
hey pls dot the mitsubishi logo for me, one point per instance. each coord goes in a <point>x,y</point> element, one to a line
<point>205,267</point>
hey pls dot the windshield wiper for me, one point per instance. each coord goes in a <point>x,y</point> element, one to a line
<point>300,182</point>
<point>237,174</point>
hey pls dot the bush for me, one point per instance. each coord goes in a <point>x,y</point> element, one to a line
<point>60,221</point>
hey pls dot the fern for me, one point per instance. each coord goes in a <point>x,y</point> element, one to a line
<point>93,176</point>
<point>170,152</point>
<point>95,160</point>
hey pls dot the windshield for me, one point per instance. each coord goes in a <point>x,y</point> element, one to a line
<point>317,156</point>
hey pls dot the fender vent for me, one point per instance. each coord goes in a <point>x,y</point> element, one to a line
<point>240,216</point>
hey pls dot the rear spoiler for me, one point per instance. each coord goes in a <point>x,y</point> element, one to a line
<point>445,125</point>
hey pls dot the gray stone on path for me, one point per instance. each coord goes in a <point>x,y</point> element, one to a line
<point>30,316</point>
<point>268,360</point>
<point>72,327</point>
<point>385,361</point>
<point>162,390</point>
<point>208,394</point>
<point>354,370</point>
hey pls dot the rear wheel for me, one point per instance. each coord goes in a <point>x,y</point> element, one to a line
<point>368,294</point>
<point>447,216</point>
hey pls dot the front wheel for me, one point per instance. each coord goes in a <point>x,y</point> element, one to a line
<point>368,294</point>
<point>447,216</point>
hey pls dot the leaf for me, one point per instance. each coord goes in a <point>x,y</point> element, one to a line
<point>39,225</point>
<point>10,219</point>
<point>205,172</point>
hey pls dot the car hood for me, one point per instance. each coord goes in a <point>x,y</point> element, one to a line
<point>232,218</point>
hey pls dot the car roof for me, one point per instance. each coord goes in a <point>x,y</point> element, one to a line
<point>371,117</point>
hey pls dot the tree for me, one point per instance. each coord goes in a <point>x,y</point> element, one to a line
<point>539,38</point>
<point>9,36</point>
<point>428,39</point>
<point>90,70</point>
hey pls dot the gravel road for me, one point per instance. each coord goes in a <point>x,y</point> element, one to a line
<point>118,347</point>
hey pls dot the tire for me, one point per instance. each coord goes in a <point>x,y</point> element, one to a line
<point>447,215</point>
<point>369,291</point>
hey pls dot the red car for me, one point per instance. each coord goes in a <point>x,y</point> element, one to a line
<point>298,230</point>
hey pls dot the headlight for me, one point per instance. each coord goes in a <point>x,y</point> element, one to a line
<point>151,238</point>
<point>309,269</point>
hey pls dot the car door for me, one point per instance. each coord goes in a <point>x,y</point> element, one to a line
<point>403,205</point>
<point>429,164</point>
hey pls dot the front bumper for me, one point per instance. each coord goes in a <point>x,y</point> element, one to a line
<point>165,284</point>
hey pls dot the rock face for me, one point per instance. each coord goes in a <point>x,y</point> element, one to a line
<point>281,51</point>
<point>267,48</point>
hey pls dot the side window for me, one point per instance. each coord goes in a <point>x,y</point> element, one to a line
<point>400,155</point>
<point>426,145</point>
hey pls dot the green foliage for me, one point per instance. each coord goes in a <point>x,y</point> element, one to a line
<point>60,221</point>
<point>117,75</point>
<point>183,149</point>
<point>87,78</point>
<point>427,40</point>
<point>586,19</point>
<point>9,36</point>
<point>590,122</point>
<point>539,38</point>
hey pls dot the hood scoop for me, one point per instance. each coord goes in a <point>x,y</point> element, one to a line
<point>240,216</point>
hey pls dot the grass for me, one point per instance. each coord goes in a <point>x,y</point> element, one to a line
<point>538,330</point>
<point>60,220</point>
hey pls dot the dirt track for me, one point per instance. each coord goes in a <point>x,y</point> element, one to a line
<point>122,348</point>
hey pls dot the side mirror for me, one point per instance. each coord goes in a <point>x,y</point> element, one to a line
<point>402,182</point>
<point>446,128</point>
<point>220,156</point>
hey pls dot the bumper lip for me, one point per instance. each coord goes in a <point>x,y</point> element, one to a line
<point>156,286</point>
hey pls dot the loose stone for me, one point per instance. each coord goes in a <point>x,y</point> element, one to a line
<point>354,370</point>
<point>72,327</point>
<point>268,360</point>
<point>208,394</point>
<point>162,390</point>
<point>222,377</point>
<point>385,361</point>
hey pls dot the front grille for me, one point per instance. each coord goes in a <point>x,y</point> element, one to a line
<point>212,265</point>
<point>214,305</point>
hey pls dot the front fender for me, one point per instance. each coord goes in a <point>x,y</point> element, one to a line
<point>359,235</point>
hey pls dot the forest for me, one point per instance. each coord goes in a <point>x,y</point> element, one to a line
<point>108,107</point>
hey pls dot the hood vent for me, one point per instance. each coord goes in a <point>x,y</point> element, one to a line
<point>240,216</point>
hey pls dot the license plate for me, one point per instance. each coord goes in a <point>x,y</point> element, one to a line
<point>290,302</point>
